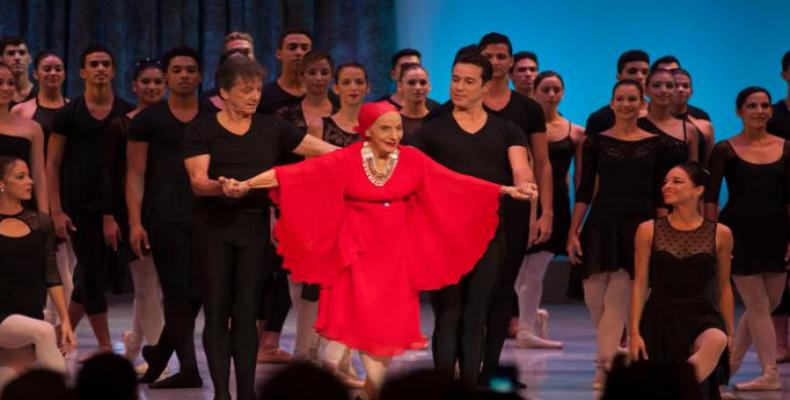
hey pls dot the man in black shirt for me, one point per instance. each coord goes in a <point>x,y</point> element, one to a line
<point>288,88</point>
<point>75,146</point>
<point>159,200</point>
<point>779,124</point>
<point>15,54</point>
<point>525,70</point>
<point>528,115</point>
<point>632,64</point>
<point>474,142</point>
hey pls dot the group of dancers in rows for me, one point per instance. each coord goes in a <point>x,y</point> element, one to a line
<point>368,204</point>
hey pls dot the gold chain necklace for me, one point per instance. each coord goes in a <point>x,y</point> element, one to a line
<point>369,164</point>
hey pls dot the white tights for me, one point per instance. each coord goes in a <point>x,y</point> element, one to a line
<point>761,294</point>
<point>608,295</point>
<point>529,288</point>
<point>148,318</point>
<point>25,340</point>
<point>67,261</point>
<point>708,347</point>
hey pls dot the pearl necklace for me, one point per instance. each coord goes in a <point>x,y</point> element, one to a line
<point>369,164</point>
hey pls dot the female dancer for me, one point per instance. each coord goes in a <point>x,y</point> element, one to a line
<point>682,135</point>
<point>316,72</point>
<point>27,243</point>
<point>230,237</point>
<point>147,318</point>
<point>757,168</point>
<point>565,142</point>
<point>351,86</point>
<point>23,139</point>
<point>386,190</point>
<point>415,86</point>
<point>626,161</point>
<point>682,256</point>
<point>681,109</point>
<point>339,129</point>
<point>50,73</point>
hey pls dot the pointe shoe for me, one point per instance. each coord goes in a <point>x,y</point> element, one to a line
<point>132,343</point>
<point>274,356</point>
<point>542,324</point>
<point>768,381</point>
<point>527,340</point>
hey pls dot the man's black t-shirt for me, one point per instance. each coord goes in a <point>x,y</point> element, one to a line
<point>168,195</point>
<point>82,159</point>
<point>240,156</point>
<point>779,124</point>
<point>526,113</point>
<point>274,98</point>
<point>599,121</point>
<point>483,154</point>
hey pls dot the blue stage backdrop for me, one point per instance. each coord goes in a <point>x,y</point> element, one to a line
<point>725,44</point>
<point>360,30</point>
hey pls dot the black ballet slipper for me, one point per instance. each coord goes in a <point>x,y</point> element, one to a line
<point>156,364</point>
<point>181,380</point>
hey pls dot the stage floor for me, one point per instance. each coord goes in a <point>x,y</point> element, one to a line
<point>550,375</point>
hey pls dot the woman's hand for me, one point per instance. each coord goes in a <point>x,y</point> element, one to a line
<point>525,191</point>
<point>636,347</point>
<point>67,338</point>
<point>233,188</point>
<point>574,249</point>
<point>63,224</point>
<point>112,233</point>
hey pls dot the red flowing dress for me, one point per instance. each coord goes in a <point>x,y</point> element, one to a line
<point>372,249</point>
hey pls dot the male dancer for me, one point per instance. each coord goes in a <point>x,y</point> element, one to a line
<point>159,199</point>
<point>235,42</point>
<point>528,115</point>
<point>288,88</point>
<point>525,70</point>
<point>470,140</point>
<point>75,146</point>
<point>15,54</point>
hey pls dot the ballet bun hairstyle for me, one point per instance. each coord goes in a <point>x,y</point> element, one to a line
<point>315,56</point>
<point>408,67</point>
<point>548,74</point>
<point>5,164</point>
<point>698,175</point>
<point>144,64</point>
<point>744,94</point>
<point>44,54</point>
<point>629,82</point>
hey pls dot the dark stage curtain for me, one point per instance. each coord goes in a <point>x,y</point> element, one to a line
<point>359,30</point>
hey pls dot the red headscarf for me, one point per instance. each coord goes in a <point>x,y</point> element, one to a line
<point>370,112</point>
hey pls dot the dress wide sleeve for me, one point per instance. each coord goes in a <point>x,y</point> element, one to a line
<point>307,233</point>
<point>452,218</point>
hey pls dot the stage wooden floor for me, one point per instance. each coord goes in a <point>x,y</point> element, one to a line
<point>550,375</point>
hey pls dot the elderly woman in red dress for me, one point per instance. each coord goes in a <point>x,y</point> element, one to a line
<point>374,224</point>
